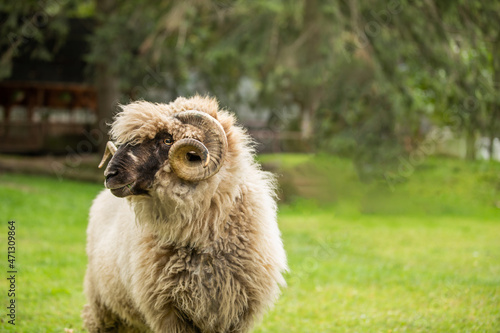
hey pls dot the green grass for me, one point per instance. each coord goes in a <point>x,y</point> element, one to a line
<point>51,217</point>
<point>422,257</point>
<point>388,274</point>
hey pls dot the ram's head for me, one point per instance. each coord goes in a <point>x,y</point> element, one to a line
<point>133,166</point>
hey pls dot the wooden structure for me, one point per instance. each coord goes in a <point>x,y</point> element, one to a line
<point>27,133</point>
<point>46,106</point>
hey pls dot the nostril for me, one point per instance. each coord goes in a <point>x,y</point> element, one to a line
<point>110,174</point>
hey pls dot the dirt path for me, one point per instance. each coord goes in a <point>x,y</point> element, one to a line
<point>79,167</point>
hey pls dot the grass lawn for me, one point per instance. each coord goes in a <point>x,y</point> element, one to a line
<point>422,258</point>
<point>388,274</point>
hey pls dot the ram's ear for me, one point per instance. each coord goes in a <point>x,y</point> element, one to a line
<point>109,151</point>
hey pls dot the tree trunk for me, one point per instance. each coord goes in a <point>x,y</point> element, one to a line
<point>495,107</point>
<point>306,126</point>
<point>311,98</point>
<point>470,145</point>
<point>108,95</point>
<point>107,82</point>
<point>491,149</point>
<point>492,128</point>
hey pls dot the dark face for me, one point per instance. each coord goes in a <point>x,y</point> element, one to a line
<point>132,169</point>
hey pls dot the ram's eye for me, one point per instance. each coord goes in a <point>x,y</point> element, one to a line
<point>168,141</point>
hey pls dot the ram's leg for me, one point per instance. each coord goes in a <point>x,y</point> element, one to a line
<point>98,319</point>
<point>169,321</point>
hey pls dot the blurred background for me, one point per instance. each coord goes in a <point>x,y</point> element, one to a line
<point>381,120</point>
<point>363,80</point>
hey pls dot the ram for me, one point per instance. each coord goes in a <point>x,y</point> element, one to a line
<point>184,238</point>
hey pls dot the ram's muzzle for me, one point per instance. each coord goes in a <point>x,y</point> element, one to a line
<point>121,176</point>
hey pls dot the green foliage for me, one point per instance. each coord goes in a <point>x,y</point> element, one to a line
<point>364,76</point>
<point>27,25</point>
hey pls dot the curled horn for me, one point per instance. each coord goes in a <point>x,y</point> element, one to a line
<point>193,160</point>
<point>109,151</point>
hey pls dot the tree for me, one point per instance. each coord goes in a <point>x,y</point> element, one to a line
<point>363,75</point>
<point>25,27</point>
<point>455,50</point>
